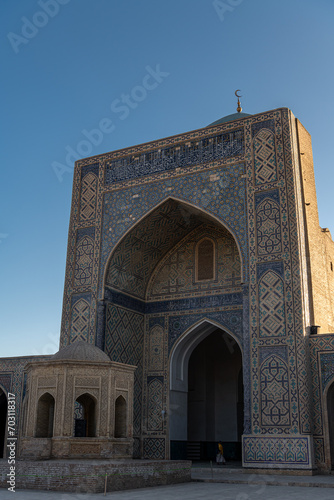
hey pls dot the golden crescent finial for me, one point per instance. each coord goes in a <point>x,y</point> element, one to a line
<point>239,108</point>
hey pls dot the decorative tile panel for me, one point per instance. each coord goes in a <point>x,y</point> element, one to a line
<point>271,306</point>
<point>88,197</point>
<point>264,156</point>
<point>268,225</point>
<point>84,259</point>
<point>275,404</point>
<point>80,321</point>
<point>176,156</point>
<point>124,344</point>
<point>156,353</point>
<point>155,404</point>
<point>154,448</point>
<point>287,452</point>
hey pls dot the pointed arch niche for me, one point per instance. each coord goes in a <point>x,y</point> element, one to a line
<point>135,259</point>
<point>205,260</point>
<point>45,416</point>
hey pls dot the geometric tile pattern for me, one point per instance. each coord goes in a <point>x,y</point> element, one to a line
<point>88,197</point>
<point>84,262</point>
<point>264,156</point>
<point>155,401</point>
<point>156,359</point>
<point>319,450</point>
<point>137,255</point>
<point>124,344</point>
<point>276,451</point>
<point>277,350</point>
<point>80,321</point>
<point>271,306</point>
<point>154,448</point>
<point>257,125</point>
<point>268,227</point>
<point>275,404</point>
<point>327,368</point>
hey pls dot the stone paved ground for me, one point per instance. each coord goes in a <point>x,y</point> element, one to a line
<point>244,476</point>
<point>188,491</point>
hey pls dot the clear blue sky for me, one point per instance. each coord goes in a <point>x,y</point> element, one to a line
<point>62,77</point>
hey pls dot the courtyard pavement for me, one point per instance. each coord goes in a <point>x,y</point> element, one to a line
<point>230,483</point>
<point>188,491</point>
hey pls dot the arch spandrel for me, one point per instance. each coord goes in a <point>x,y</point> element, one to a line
<point>3,390</point>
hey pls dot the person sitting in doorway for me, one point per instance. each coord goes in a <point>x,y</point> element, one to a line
<point>220,455</point>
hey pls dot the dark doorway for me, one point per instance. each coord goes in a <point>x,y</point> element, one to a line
<point>84,416</point>
<point>330,409</point>
<point>3,422</point>
<point>215,398</point>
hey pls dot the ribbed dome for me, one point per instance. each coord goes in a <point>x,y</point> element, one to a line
<point>230,118</point>
<point>80,351</point>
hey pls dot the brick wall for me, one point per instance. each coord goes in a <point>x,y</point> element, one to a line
<point>320,245</point>
<point>89,477</point>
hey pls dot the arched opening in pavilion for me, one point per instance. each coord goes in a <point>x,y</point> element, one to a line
<point>85,416</point>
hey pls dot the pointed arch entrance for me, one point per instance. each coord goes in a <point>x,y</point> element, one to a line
<point>206,394</point>
<point>3,422</point>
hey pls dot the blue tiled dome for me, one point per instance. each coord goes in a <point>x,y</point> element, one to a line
<point>230,118</point>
